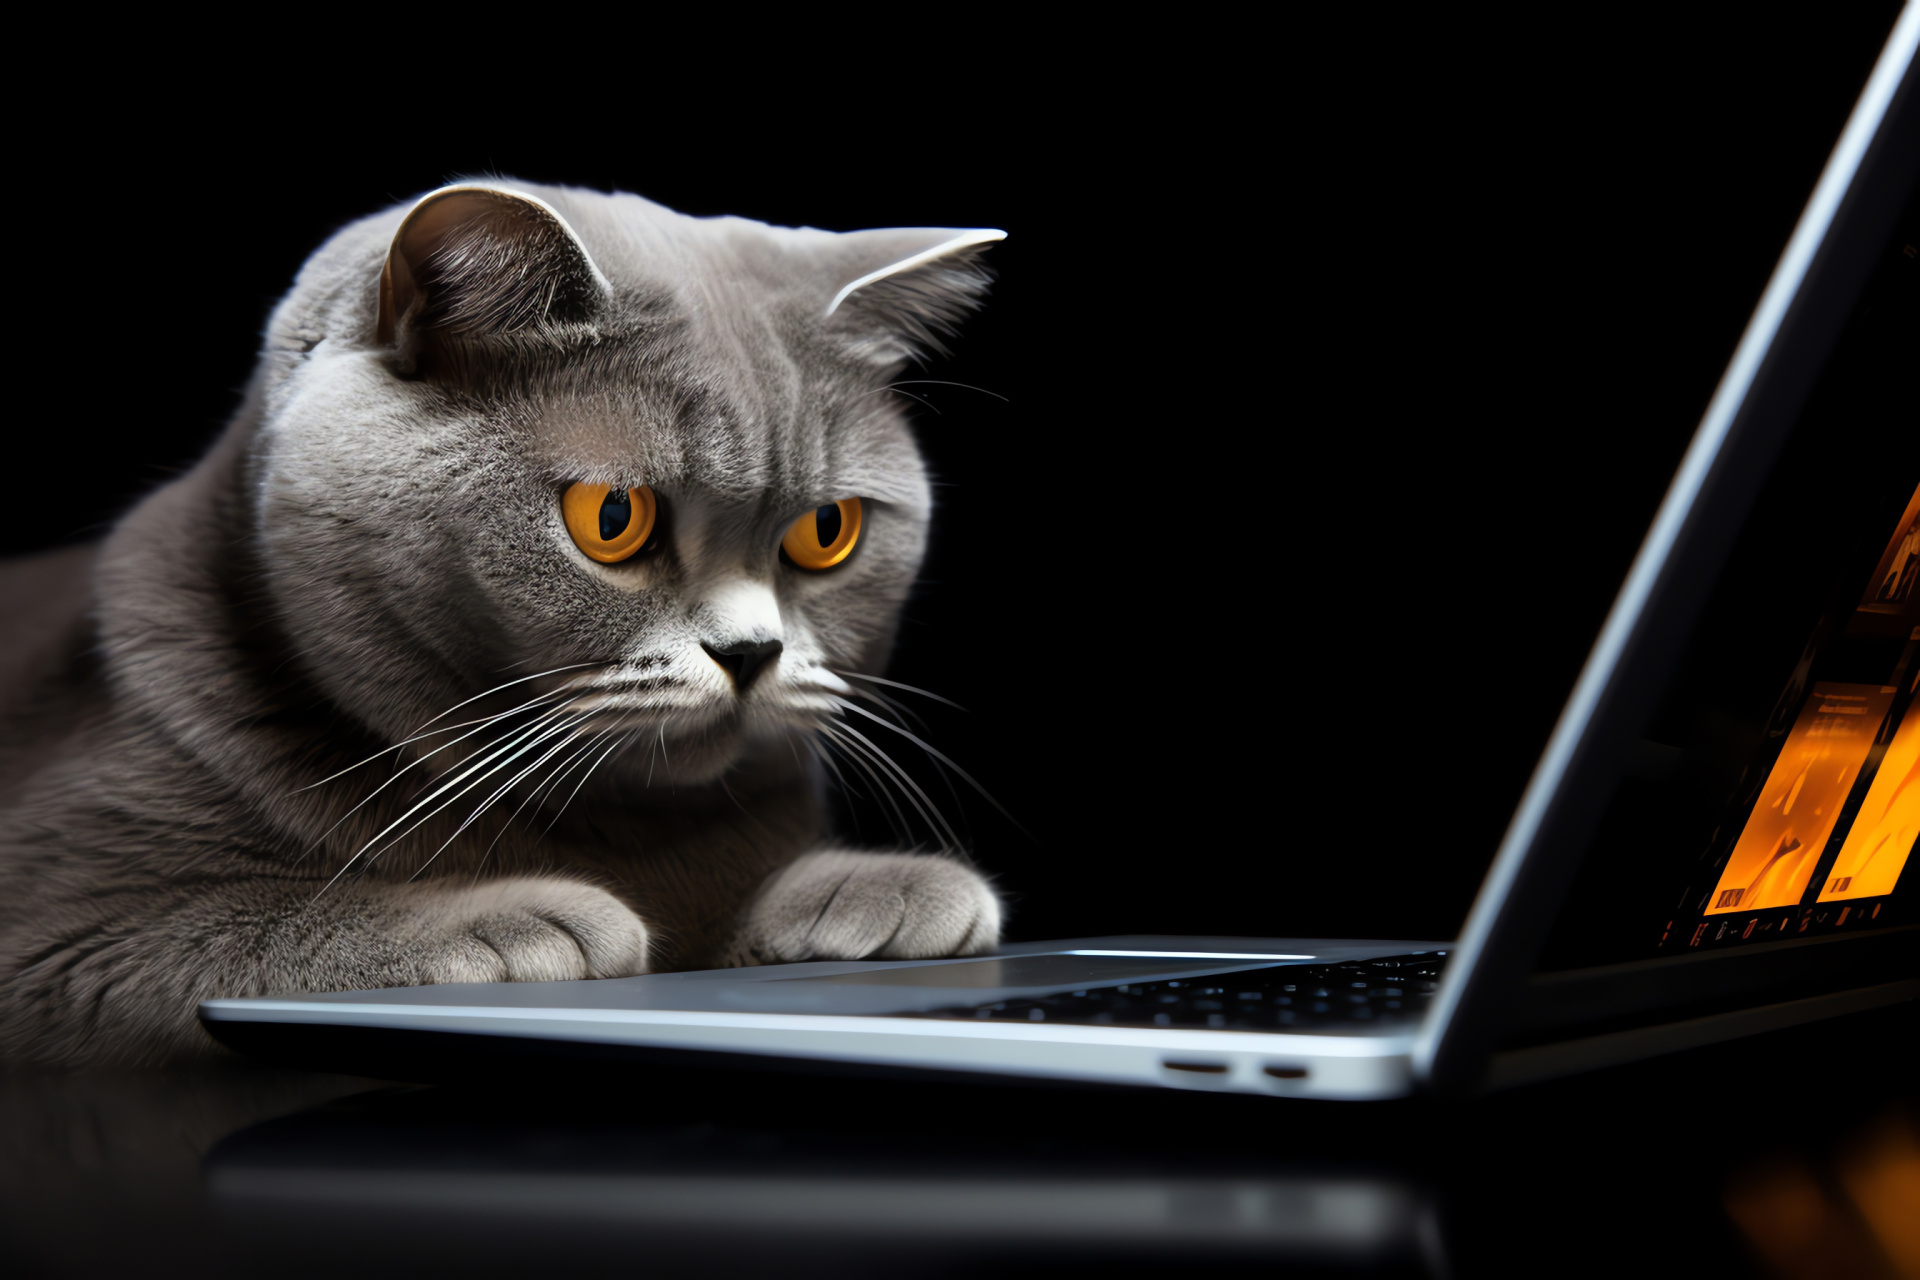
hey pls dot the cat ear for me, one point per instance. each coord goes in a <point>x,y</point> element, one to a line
<point>918,284</point>
<point>471,261</point>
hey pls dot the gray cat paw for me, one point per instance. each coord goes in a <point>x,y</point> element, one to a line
<point>529,930</point>
<point>882,906</point>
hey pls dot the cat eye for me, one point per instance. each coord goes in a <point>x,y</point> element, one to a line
<point>609,524</point>
<point>824,536</point>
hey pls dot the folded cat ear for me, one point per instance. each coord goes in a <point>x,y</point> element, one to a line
<point>472,261</point>
<point>911,286</point>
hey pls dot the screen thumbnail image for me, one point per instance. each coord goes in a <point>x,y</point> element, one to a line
<point>1887,825</point>
<point>1774,858</point>
<point>1891,589</point>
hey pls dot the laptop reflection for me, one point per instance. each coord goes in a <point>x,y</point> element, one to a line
<point>702,1193</point>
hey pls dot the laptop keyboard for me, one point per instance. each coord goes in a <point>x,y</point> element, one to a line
<point>1267,999</point>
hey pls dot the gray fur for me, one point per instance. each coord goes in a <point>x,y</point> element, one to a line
<point>376,541</point>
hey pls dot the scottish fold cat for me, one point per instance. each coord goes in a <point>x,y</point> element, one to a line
<point>500,637</point>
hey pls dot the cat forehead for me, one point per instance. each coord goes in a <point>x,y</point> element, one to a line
<point>740,450</point>
<point>721,378</point>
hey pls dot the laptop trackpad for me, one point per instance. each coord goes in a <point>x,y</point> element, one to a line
<point>912,988</point>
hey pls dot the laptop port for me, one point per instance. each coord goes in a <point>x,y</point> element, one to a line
<point>1204,1068</point>
<point>1286,1073</point>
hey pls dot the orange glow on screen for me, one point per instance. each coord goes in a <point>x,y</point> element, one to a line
<point>1776,853</point>
<point>1888,823</point>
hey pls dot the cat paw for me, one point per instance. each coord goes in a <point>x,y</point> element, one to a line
<point>881,906</point>
<point>528,930</point>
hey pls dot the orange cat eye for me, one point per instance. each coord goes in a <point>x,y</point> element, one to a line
<point>608,524</point>
<point>823,537</point>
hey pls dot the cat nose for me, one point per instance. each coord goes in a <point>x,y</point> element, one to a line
<point>744,659</point>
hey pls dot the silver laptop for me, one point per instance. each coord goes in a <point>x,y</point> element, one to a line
<point>1717,841</point>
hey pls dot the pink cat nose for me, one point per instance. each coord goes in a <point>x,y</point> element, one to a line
<point>744,659</point>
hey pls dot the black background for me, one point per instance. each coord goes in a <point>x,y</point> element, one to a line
<point>1343,367</point>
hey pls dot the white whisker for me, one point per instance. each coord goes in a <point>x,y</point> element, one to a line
<point>880,788</point>
<point>819,751</point>
<point>524,746</point>
<point>925,805</point>
<point>881,791</point>
<point>964,386</point>
<point>491,800</point>
<point>899,709</point>
<point>483,763</point>
<point>552,784</point>
<point>895,684</point>
<point>611,747</point>
<point>935,754</point>
<point>573,666</point>
<point>533,797</point>
<point>402,772</point>
<point>445,728</point>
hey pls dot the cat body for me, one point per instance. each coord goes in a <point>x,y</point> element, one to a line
<point>352,704</point>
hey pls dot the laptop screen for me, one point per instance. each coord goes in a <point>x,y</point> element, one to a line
<point>1775,790</point>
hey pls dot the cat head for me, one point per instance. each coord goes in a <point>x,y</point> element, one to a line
<point>639,468</point>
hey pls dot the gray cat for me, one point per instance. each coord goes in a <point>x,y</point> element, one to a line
<point>598,518</point>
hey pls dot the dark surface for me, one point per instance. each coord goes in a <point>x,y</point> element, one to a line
<point>1768,1156</point>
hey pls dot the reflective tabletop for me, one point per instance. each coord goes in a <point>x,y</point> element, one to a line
<point>1791,1154</point>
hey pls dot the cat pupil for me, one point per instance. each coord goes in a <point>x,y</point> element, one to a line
<point>827,521</point>
<point>616,513</point>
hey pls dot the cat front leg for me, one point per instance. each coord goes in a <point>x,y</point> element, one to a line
<point>125,988</point>
<point>839,905</point>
